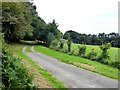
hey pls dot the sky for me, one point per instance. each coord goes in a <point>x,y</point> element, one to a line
<point>83,16</point>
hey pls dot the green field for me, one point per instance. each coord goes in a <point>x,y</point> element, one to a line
<point>113,52</point>
<point>80,62</point>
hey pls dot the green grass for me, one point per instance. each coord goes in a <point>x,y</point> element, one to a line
<point>28,49</point>
<point>113,52</point>
<point>17,49</point>
<point>99,68</point>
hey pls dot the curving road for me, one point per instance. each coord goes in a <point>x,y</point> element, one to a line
<point>72,76</point>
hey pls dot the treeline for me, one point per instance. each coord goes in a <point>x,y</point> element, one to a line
<point>20,21</point>
<point>89,39</point>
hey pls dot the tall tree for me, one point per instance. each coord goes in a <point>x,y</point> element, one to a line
<point>16,20</point>
<point>50,28</point>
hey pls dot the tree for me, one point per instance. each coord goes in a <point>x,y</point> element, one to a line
<point>50,39</point>
<point>69,42</point>
<point>38,25</point>
<point>73,35</point>
<point>16,20</point>
<point>94,39</point>
<point>41,29</point>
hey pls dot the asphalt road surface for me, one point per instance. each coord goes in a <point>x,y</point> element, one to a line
<point>72,76</point>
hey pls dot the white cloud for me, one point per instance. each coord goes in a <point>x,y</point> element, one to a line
<point>84,16</point>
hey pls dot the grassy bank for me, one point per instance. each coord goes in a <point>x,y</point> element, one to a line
<point>80,62</point>
<point>17,50</point>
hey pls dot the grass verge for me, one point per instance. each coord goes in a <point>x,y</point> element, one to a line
<point>28,49</point>
<point>80,62</point>
<point>54,82</point>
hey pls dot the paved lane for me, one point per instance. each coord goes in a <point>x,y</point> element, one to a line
<point>72,76</point>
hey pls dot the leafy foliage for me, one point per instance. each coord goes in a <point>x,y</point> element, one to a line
<point>16,19</point>
<point>14,74</point>
<point>61,43</point>
<point>104,54</point>
<point>92,55</point>
<point>50,39</point>
<point>38,25</point>
<point>82,50</point>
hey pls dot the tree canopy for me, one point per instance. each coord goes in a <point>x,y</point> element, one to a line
<point>21,21</point>
<point>16,19</point>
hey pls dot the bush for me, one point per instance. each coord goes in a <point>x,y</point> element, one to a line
<point>14,74</point>
<point>65,51</point>
<point>55,44</point>
<point>71,53</point>
<point>115,64</point>
<point>82,50</point>
<point>61,44</point>
<point>104,54</point>
<point>92,55</point>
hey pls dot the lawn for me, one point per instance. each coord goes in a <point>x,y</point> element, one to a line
<point>17,50</point>
<point>80,62</point>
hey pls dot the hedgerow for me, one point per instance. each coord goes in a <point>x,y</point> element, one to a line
<point>14,73</point>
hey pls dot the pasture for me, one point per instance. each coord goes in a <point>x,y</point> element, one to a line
<point>113,52</point>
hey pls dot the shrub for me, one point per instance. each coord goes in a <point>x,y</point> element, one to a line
<point>14,74</point>
<point>55,45</point>
<point>104,54</point>
<point>71,53</point>
<point>92,55</point>
<point>82,50</point>
<point>115,64</point>
<point>65,51</point>
<point>2,42</point>
<point>61,44</point>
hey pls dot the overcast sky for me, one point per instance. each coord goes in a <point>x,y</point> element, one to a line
<point>83,16</point>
